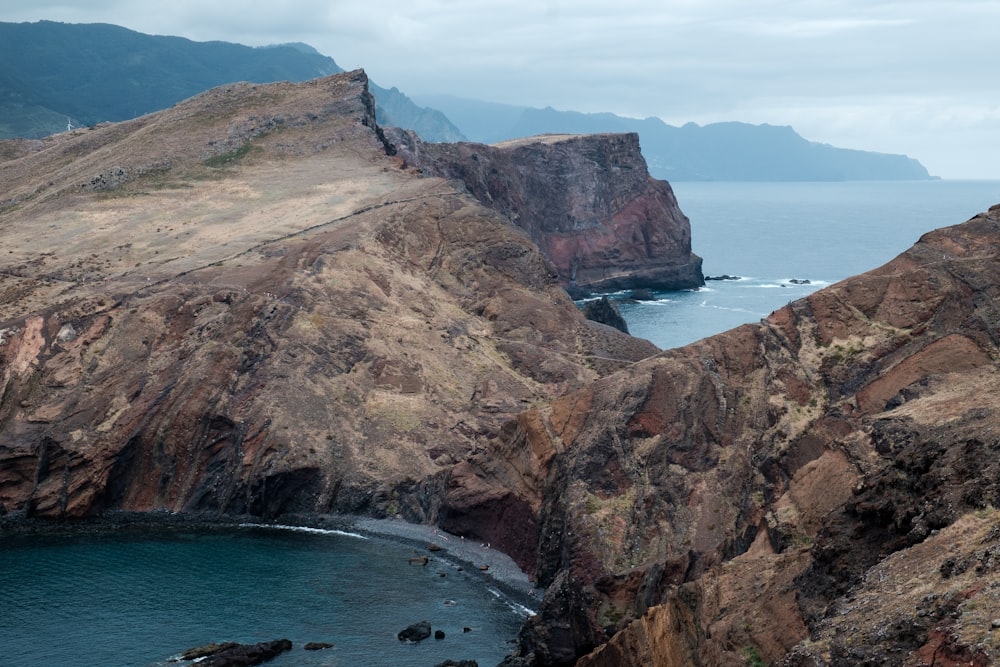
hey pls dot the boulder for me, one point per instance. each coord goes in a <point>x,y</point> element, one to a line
<point>415,633</point>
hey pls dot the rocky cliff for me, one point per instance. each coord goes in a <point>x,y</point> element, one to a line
<point>244,304</point>
<point>818,489</point>
<point>586,200</point>
<point>249,304</point>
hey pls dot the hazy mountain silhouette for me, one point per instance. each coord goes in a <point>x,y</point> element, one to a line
<point>716,152</point>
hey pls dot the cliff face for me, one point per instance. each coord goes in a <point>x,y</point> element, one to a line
<point>243,304</point>
<point>817,489</point>
<point>587,201</point>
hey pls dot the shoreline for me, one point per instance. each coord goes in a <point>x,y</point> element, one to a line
<point>470,557</point>
<point>470,554</point>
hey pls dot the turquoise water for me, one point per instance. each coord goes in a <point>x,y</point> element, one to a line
<point>771,233</point>
<point>141,597</point>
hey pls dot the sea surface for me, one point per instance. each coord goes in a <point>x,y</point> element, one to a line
<point>116,599</point>
<point>769,234</point>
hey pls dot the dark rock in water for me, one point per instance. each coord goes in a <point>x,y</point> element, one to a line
<point>642,295</point>
<point>724,276</point>
<point>415,633</point>
<point>458,663</point>
<point>439,634</point>
<point>317,646</point>
<point>230,654</point>
<point>206,650</point>
<point>604,310</point>
<point>800,281</point>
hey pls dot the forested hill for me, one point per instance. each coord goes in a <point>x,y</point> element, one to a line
<point>52,74</point>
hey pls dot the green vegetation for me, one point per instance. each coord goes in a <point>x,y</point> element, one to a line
<point>611,615</point>
<point>55,73</point>
<point>230,158</point>
<point>97,72</point>
<point>752,657</point>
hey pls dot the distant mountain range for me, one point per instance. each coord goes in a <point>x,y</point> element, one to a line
<point>716,152</point>
<point>53,74</point>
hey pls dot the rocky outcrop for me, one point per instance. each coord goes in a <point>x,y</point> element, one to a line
<point>231,654</point>
<point>586,200</point>
<point>281,318</point>
<point>417,632</point>
<point>604,310</point>
<point>782,491</point>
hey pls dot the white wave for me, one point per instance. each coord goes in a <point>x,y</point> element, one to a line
<point>706,304</point>
<point>304,529</point>
<point>808,282</point>
<point>519,608</point>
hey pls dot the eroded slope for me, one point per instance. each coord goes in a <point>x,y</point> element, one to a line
<point>733,499</point>
<point>245,304</point>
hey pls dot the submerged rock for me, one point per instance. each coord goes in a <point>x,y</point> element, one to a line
<point>231,654</point>
<point>317,646</point>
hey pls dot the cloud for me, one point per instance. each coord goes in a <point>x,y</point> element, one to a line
<point>834,69</point>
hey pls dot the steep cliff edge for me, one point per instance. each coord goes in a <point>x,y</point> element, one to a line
<point>246,304</point>
<point>243,304</point>
<point>817,489</point>
<point>588,201</point>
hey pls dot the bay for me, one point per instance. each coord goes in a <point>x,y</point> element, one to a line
<point>140,597</point>
<point>773,235</point>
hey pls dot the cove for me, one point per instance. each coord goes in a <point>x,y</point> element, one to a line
<point>139,596</point>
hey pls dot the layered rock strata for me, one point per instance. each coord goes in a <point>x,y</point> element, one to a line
<point>245,304</point>
<point>588,201</point>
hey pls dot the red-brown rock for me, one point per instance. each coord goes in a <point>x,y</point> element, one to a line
<point>588,201</point>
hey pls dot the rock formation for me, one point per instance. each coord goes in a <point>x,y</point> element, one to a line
<point>254,303</point>
<point>605,311</point>
<point>817,489</point>
<point>232,654</point>
<point>244,304</point>
<point>586,200</point>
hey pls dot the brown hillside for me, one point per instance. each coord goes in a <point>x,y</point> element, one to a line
<point>817,489</point>
<point>243,304</point>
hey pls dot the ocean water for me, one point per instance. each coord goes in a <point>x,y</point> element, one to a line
<point>141,597</point>
<point>770,234</point>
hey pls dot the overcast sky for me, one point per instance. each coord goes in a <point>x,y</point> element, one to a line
<point>915,77</point>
